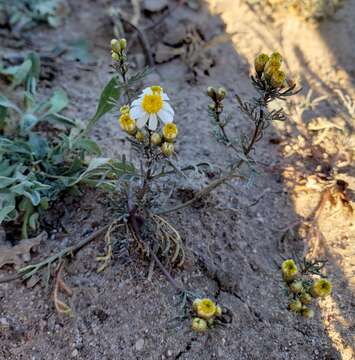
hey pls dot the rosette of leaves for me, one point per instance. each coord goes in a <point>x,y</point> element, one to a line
<point>43,152</point>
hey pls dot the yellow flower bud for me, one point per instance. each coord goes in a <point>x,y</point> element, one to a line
<point>115,46</point>
<point>295,306</point>
<point>170,132</point>
<point>321,288</point>
<point>115,56</point>
<point>124,109</point>
<point>199,325</point>
<point>140,136</point>
<point>211,92</point>
<point>221,93</point>
<point>260,62</point>
<point>272,64</point>
<point>270,68</point>
<point>307,312</point>
<point>296,286</point>
<point>305,298</point>
<point>123,44</point>
<point>155,138</point>
<point>127,123</point>
<point>289,270</point>
<point>167,148</point>
<point>206,309</point>
<point>278,79</point>
<point>276,56</point>
<point>218,311</point>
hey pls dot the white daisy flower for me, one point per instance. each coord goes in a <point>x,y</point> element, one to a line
<point>150,106</point>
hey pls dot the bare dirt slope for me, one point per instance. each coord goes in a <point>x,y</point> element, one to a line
<point>235,239</point>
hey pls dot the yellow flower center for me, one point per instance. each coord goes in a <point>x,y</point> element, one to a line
<point>152,103</point>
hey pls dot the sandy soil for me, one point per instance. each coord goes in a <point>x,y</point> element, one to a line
<point>235,239</point>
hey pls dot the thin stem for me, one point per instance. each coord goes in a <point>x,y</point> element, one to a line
<point>135,227</point>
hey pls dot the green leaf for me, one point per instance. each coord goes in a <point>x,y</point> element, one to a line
<point>39,146</point>
<point>89,145</point>
<point>110,94</point>
<point>58,102</point>
<point>33,221</point>
<point>34,196</point>
<point>93,165</point>
<point>28,121</point>
<point>5,102</point>
<point>5,211</point>
<point>6,181</point>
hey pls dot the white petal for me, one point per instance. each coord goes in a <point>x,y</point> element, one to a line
<point>167,107</point>
<point>165,116</point>
<point>136,102</point>
<point>136,112</point>
<point>142,121</point>
<point>147,90</point>
<point>153,122</point>
<point>165,97</point>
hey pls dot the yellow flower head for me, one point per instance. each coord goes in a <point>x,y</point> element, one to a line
<point>140,136</point>
<point>118,46</point>
<point>307,312</point>
<point>155,138</point>
<point>260,62</point>
<point>124,109</point>
<point>199,325</point>
<point>206,309</point>
<point>296,286</point>
<point>305,298</point>
<point>278,78</point>
<point>115,56</point>
<point>152,105</point>
<point>276,56</point>
<point>295,306</point>
<point>289,270</point>
<point>167,148</point>
<point>218,311</point>
<point>127,123</point>
<point>322,288</point>
<point>270,67</point>
<point>170,131</point>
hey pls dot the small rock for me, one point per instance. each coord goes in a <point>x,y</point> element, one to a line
<point>169,353</point>
<point>175,36</point>
<point>155,5</point>
<point>75,353</point>
<point>4,323</point>
<point>139,344</point>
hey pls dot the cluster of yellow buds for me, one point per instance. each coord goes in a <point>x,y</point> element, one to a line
<point>217,95</point>
<point>303,290</point>
<point>118,48</point>
<point>268,69</point>
<point>126,122</point>
<point>166,139</point>
<point>206,311</point>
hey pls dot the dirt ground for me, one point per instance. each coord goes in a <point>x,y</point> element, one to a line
<point>237,238</point>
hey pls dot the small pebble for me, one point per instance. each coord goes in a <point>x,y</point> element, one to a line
<point>139,344</point>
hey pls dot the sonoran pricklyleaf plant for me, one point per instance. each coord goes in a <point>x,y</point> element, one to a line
<point>43,152</point>
<point>272,84</point>
<point>303,284</point>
